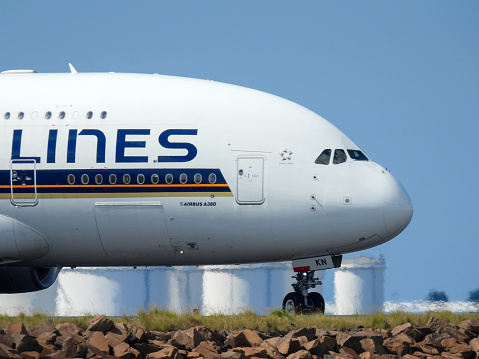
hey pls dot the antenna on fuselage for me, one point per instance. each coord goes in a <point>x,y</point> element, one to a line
<point>72,69</point>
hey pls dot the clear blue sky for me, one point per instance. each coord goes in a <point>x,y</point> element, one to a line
<point>400,78</point>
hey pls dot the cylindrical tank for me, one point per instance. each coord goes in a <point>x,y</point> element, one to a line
<point>359,286</point>
<point>125,290</point>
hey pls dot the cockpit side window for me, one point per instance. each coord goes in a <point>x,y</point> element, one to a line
<point>357,155</point>
<point>339,156</point>
<point>323,158</point>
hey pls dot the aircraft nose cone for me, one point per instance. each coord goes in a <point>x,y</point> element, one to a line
<point>397,208</point>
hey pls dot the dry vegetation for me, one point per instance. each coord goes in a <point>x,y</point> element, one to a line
<point>276,320</point>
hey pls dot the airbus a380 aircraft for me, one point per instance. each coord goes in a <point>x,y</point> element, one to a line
<point>106,169</point>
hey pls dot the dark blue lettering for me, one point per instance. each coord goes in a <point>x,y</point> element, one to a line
<point>52,146</point>
<point>72,146</point>
<point>122,143</point>
<point>16,146</point>
<point>164,141</point>
<point>101,143</point>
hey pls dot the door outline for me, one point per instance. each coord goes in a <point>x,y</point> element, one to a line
<point>250,186</point>
<point>21,174</point>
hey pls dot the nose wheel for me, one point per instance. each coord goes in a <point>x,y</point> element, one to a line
<point>300,301</point>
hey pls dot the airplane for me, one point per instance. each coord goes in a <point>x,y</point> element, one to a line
<point>116,169</point>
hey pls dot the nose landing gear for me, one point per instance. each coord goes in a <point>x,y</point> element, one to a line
<point>300,301</point>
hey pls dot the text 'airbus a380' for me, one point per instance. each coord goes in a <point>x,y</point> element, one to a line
<point>106,169</point>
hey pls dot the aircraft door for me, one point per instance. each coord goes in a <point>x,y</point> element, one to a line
<point>23,182</point>
<point>250,181</point>
<point>132,228</point>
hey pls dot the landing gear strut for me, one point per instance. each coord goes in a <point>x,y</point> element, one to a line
<point>300,301</point>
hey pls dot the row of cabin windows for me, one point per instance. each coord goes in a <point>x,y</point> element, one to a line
<point>340,156</point>
<point>140,179</point>
<point>48,115</point>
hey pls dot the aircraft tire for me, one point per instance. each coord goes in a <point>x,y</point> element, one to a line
<point>316,302</point>
<point>292,303</point>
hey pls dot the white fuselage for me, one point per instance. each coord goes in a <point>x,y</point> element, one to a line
<point>244,183</point>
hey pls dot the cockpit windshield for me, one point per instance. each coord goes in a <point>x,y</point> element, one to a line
<point>323,158</point>
<point>357,155</point>
<point>339,156</point>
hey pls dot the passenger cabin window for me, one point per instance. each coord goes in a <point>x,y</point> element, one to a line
<point>323,158</point>
<point>89,115</point>
<point>357,155</point>
<point>48,115</point>
<point>126,178</point>
<point>155,178</point>
<point>6,116</point>
<point>339,157</point>
<point>112,179</point>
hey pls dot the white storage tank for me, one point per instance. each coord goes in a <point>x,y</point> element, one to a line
<point>124,290</point>
<point>359,286</point>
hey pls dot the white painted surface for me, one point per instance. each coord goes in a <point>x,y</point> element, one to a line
<point>359,286</point>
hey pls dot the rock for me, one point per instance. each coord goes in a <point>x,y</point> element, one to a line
<point>329,343</point>
<point>206,349</point>
<point>435,323</point>
<point>258,352</point>
<point>349,341</point>
<point>288,346</point>
<point>100,324</point>
<point>17,328</point>
<point>117,334</point>
<point>271,350</point>
<point>74,346</point>
<point>67,328</point>
<point>124,351</point>
<point>7,352</point>
<point>409,356</point>
<point>471,325</point>
<point>426,349</point>
<point>147,348</point>
<point>182,341</point>
<point>47,349</point>
<point>434,340</point>
<point>401,328</point>
<point>315,347</point>
<point>349,353</point>
<point>400,344</point>
<point>98,344</point>
<point>301,354</point>
<point>459,348</point>
<point>30,355</point>
<point>474,344</point>
<point>36,331</point>
<point>25,343</point>
<point>372,346</point>
<point>307,332</point>
<point>167,353</point>
<point>137,332</point>
<point>6,340</point>
<point>202,334</point>
<point>47,337</point>
<point>243,338</point>
<point>409,330</point>
<point>161,336</point>
<point>231,354</point>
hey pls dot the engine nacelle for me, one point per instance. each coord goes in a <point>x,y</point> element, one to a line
<point>27,279</point>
